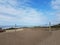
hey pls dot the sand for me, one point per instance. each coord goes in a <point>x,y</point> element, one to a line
<point>30,37</point>
<point>14,30</point>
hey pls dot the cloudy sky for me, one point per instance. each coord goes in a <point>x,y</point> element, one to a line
<point>29,12</point>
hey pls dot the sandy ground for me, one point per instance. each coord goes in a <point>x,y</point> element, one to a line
<point>30,37</point>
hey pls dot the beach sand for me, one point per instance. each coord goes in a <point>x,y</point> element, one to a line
<point>30,37</point>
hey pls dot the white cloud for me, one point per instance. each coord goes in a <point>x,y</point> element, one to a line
<point>56,4</point>
<point>25,15</point>
<point>56,7</point>
<point>6,18</point>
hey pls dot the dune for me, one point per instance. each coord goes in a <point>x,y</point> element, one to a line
<point>30,37</point>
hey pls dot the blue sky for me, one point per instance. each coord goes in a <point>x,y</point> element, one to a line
<point>29,12</point>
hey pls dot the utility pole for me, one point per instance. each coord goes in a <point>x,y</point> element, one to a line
<point>49,26</point>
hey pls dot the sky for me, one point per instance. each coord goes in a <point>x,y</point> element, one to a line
<point>29,12</point>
